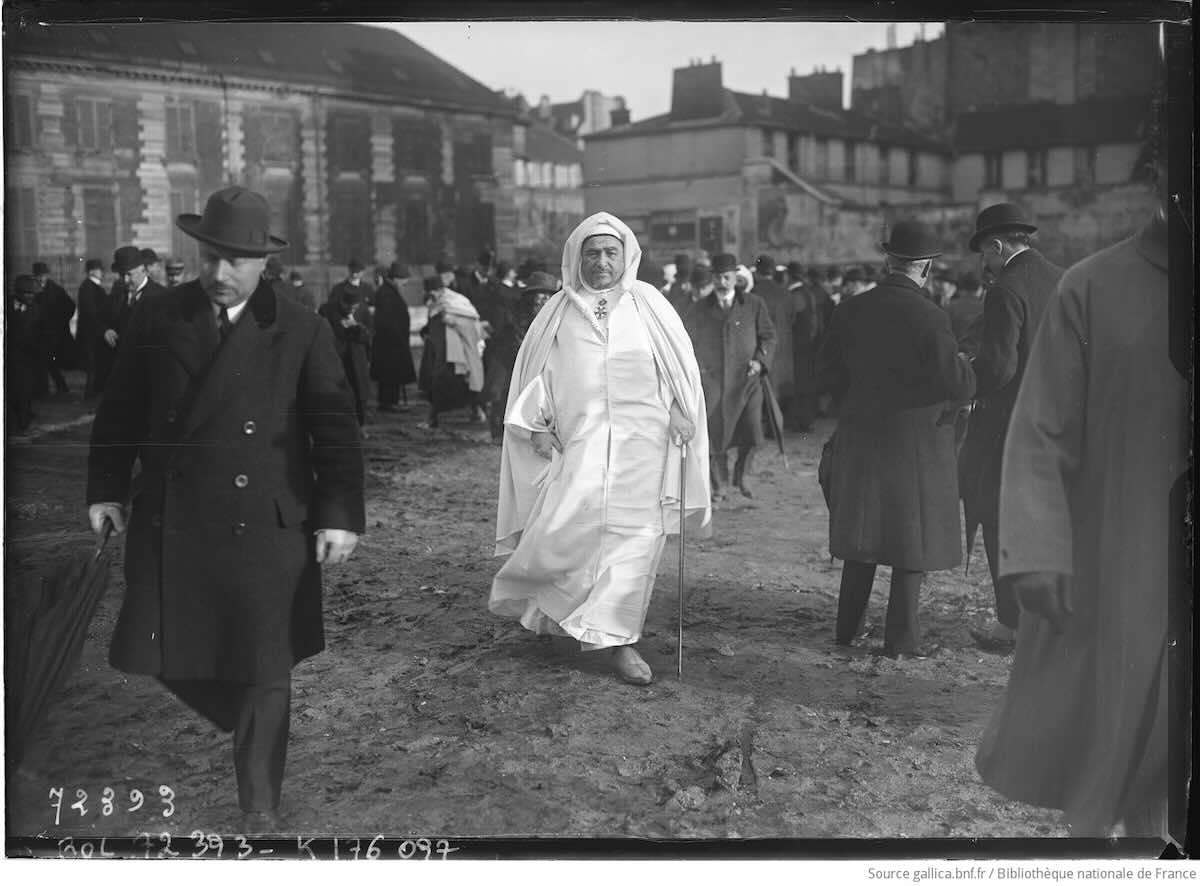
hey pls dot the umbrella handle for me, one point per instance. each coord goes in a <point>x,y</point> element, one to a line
<point>105,534</point>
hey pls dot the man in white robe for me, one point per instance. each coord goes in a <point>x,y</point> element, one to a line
<point>604,391</point>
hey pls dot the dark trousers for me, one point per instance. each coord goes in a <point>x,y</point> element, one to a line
<point>389,393</point>
<point>1007,608</point>
<point>258,714</point>
<point>718,466</point>
<point>902,629</point>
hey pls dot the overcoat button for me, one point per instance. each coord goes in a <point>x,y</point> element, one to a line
<point>239,528</point>
<point>241,481</point>
<point>249,427</point>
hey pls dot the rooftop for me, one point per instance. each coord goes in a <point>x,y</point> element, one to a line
<point>544,145</point>
<point>347,58</point>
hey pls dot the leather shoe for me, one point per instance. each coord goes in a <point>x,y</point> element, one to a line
<point>265,821</point>
<point>631,667</point>
<point>745,490</point>
<point>994,642</point>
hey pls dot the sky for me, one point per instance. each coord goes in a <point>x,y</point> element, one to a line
<point>635,59</point>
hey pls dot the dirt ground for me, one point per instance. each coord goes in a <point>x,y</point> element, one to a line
<point>427,715</point>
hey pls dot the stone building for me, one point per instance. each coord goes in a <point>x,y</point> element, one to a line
<point>365,144</point>
<point>798,177</point>
<point>547,190</point>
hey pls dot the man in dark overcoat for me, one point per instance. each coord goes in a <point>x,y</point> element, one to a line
<point>54,333</point>
<point>235,404</point>
<point>22,358</point>
<point>133,284</point>
<point>734,341</point>
<point>781,302</point>
<point>94,312</point>
<point>893,363</point>
<point>1012,314</point>
<point>808,329</point>
<point>391,354</point>
<point>351,323</point>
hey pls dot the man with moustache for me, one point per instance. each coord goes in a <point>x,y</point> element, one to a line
<point>235,404</point>
<point>734,340</point>
<point>132,286</point>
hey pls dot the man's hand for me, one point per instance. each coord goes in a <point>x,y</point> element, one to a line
<point>1046,594</point>
<point>679,427</point>
<point>544,443</point>
<point>335,545</point>
<point>754,368</point>
<point>110,509</point>
<point>110,337</point>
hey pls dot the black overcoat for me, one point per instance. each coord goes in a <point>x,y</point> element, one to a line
<point>1012,314</point>
<point>891,359</point>
<point>247,447</point>
<point>725,343</point>
<point>391,353</point>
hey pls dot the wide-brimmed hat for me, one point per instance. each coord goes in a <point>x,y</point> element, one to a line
<point>39,268</point>
<point>126,258</point>
<point>540,281</point>
<point>997,218</point>
<point>236,219</point>
<point>912,240</point>
<point>724,261</point>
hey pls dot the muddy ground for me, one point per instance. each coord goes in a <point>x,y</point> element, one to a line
<point>428,715</point>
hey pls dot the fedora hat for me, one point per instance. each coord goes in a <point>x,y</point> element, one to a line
<point>127,258</point>
<point>910,239</point>
<point>236,219</point>
<point>997,218</point>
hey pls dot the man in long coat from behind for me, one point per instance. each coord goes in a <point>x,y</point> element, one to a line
<point>734,341</point>
<point>893,364</point>
<point>391,354</point>
<point>234,403</point>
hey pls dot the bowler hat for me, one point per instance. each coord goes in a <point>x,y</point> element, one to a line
<point>93,264</point>
<point>912,240</point>
<point>997,218</point>
<point>722,262</point>
<point>443,267</point>
<point>397,271</point>
<point>764,265</point>
<point>149,256</point>
<point>540,281</point>
<point>236,219</point>
<point>127,258</point>
<point>39,268</point>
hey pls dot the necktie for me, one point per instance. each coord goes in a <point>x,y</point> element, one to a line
<point>224,323</point>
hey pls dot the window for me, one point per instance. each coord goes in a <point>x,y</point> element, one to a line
<point>768,143</point>
<point>1035,169</point>
<point>519,173</point>
<point>793,152</point>
<point>271,137</point>
<point>914,169</point>
<point>19,131</point>
<point>93,125</point>
<point>350,227</point>
<point>992,171</point>
<point>850,169</point>
<point>182,246</point>
<point>418,145</point>
<point>20,225</point>
<point>1085,166</point>
<point>885,165</point>
<point>821,159</point>
<point>350,142</point>
<point>181,131</point>
<point>414,245</point>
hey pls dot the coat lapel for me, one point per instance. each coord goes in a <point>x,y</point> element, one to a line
<point>233,363</point>
<point>193,337</point>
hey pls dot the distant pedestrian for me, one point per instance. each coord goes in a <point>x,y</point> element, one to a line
<point>965,306</point>
<point>680,292</point>
<point>508,332</point>
<point>55,343</point>
<point>781,302</point>
<point>391,354</point>
<point>451,373</point>
<point>93,303</point>
<point>734,341</point>
<point>21,351</point>
<point>807,333</point>
<point>154,267</point>
<point>176,270</point>
<point>347,316</point>
<point>300,293</point>
<point>133,284</point>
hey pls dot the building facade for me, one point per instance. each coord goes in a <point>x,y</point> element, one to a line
<point>365,145</point>
<point>798,177</point>
<point>547,190</point>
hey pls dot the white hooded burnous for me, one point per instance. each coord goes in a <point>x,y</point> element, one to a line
<point>584,531</point>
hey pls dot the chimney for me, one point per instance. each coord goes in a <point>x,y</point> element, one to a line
<point>821,88</point>
<point>697,92</point>
<point>619,116</point>
<point>543,108</point>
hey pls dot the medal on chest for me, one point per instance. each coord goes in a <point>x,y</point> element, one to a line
<point>601,309</point>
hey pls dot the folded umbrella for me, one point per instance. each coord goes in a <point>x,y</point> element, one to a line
<point>45,631</point>
<point>774,416</point>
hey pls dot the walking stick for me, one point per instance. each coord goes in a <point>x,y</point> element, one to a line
<point>682,513</point>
